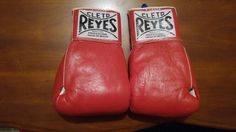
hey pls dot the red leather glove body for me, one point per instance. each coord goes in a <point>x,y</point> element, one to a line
<point>92,78</point>
<point>162,81</point>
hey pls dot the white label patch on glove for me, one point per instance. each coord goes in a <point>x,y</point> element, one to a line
<point>97,25</point>
<point>154,24</point>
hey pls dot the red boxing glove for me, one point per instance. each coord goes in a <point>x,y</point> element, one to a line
<point>162,81</point>
<point>92,78</point>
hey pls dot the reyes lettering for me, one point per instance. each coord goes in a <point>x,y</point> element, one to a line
<point>97,24</point>
<point>154,24</point>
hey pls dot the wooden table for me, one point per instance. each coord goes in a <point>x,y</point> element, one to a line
<point>34,35</point>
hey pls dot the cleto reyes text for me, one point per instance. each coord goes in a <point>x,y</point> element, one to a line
<point>91,20</point>
<point>153,21</point>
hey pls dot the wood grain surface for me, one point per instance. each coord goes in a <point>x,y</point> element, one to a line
<point>34,35</point>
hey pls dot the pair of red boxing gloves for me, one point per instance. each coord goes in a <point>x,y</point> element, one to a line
<point>92,78</point>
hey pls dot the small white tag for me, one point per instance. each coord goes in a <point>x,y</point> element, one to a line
<point>62,91</point>
<point>154,24</point>
<point>97,25</point>
<point>192,92</point>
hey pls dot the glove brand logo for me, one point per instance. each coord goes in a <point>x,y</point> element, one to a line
<point>154,24</point>
<point>97,24</point>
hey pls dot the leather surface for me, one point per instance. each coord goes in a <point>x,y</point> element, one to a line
<point>162,81</point>
<point>92,78</point>
<point>96,80</point>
